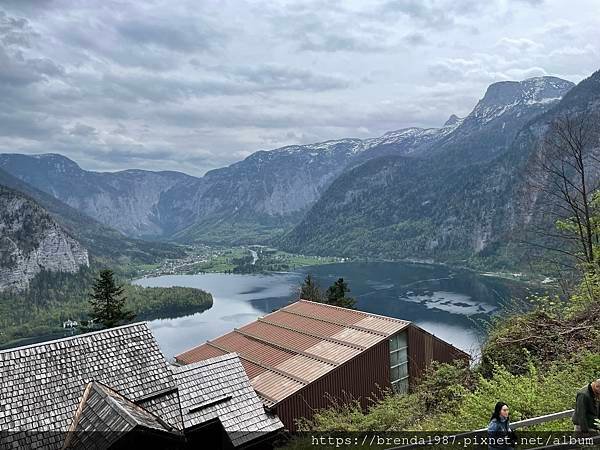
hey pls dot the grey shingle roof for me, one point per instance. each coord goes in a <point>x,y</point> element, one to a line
<point>219,387</point>
<point>110,415</point>
<point>42,384</point>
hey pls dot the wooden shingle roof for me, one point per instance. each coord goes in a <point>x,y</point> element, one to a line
<point>41,385</point>
<point>219,387</point>
<point>104,416</point>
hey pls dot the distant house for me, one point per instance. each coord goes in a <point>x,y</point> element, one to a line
<point>113,388</point>
<point>303,355</point>
<point>70,324</point>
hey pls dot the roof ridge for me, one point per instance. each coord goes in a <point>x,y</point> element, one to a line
<point>104,390</point>
<point>380,316</point>
<point>341,324</point>
<point>264,365</point>
<point>75,336</point>
<point>289,349</point>
<point>315,335</point>
<point>205,362</point>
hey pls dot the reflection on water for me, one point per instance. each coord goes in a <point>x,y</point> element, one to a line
<point>446,302</point>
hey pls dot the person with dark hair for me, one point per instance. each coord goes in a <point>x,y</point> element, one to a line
<point>587,408</point>
<point>499,432</point>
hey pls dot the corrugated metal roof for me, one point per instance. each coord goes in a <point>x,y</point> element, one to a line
<point>336,315</point>
<point>252,369</point>
<point>281,336</point>
<point>292,347</point>
<point>199,353</point>
<point>275,387</point>
<point>319,328</point>
<point>252,349</point>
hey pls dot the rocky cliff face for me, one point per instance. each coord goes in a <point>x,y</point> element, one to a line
<point>31,241</point>
<point>126,201</point>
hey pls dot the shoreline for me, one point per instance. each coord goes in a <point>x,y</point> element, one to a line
<point>531,279</point>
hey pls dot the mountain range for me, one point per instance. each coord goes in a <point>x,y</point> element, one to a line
<point>439,193</point>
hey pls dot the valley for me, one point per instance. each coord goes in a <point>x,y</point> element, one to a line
<point>457,195</point>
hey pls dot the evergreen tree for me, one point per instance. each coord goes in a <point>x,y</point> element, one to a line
<point>107,301</point>
<point>310,290</point>
<point>336,294</point>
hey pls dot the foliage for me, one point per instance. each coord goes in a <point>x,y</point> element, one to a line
<point>466,401</point>
<point>531,394</point>
<point>158,302</point>
<point>444,386</point>
<point>549,330</point>
<point>310,290</point>
<point>54,297</point>
<point>336,294</point>
<point>108,302</point>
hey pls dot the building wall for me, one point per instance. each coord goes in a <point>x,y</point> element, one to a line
<point>423,348</point>
<point>361,378</point>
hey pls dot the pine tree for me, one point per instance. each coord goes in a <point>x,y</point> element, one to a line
<point>310,290</point>
<point>336,294</point>
<point>107,301</point>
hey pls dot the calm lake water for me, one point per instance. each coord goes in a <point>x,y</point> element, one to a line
<point>448,303</point>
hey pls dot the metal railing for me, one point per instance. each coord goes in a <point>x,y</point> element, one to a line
<point>514,425</point>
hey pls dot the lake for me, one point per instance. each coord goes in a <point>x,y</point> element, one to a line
<point>446,302</point>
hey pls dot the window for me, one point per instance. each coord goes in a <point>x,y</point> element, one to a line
<point>399,362</point>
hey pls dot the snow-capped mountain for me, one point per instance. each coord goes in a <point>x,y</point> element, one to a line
<point>270,191</point>
<point>506,96</point>
<point>466,195</point>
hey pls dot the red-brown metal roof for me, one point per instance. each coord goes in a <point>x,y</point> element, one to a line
<point>338,315</point>
<point>317,327</point>
<point>252,370</point>
<point>281,336</point>
<point>252,349</point>
<point>200,353</point>
<point>292,347</point>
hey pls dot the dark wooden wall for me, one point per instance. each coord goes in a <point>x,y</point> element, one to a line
<point>361,378</point>
<point>424,347</point>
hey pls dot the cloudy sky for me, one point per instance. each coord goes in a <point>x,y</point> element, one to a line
<point>192,85</point>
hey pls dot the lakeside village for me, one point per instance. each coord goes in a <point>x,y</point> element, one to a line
<point>243,259</point>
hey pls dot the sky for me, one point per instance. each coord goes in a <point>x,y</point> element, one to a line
<point>194,85</point>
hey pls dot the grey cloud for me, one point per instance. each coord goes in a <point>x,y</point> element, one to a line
<point>329,41</point>
<point>181,35</point>
<point>28,126</point>
<point>437,14</point>
<point>196,85</point>
<point>16,31</point>
<point>415,38</point>
<point>225,81</point>
<point>530,2</point>
<point>83,130</point>
<point>330,28</point>
<point>279,77</point>
<point>17,70</point>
